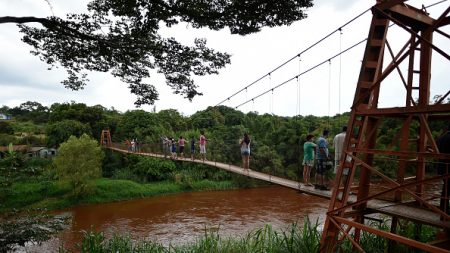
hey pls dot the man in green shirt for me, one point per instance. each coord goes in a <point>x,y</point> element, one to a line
<point>309,148</point>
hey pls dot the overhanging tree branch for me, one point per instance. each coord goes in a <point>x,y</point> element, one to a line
<point>131,45</point>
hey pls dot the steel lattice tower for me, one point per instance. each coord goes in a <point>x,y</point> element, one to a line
<point>356,199</point>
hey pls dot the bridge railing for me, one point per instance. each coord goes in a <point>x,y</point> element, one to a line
<point>228,152</point>
<point>224,151</point>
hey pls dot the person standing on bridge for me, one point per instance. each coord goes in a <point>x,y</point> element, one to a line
<point>165,148</point>
<point>338,144</point>
<point>322,157</point>
<point>133,146</point>
<point>181,143</point>
<point>202,143</point>
<point>245,151</point>
<point>173,144</point>
<point>309,148</point>
<point>128,144</point>
<point>192,148</point>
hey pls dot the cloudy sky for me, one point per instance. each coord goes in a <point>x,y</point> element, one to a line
<point>326,90</point>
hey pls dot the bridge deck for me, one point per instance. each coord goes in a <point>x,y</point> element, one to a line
<point>401,210</point>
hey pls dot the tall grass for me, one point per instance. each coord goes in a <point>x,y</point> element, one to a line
<point>96,242</point>
<point>293,239</point>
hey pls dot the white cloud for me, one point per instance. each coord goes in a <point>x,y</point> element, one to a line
<point>23,77</point>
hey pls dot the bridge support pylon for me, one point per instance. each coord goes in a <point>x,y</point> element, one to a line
<point>370,171</point>
<point>105,139</point>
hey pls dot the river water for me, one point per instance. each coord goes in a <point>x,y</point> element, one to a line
<point>180,218</point>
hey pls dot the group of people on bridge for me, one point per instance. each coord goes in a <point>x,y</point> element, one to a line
<point>318,154</point>
<point>170,144</point>
<point>133,145</point>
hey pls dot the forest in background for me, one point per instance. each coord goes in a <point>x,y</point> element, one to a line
<point>277,142</point>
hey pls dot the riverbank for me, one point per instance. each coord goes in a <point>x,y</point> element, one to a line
<point>53,195</point>
<point>294,238</point>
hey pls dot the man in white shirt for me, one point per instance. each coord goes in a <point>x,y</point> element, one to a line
<point>338,144</point>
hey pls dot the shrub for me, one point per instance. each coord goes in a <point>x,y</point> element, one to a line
<point>78,161</point>
<point>112,163</point>
<point>153,169</point>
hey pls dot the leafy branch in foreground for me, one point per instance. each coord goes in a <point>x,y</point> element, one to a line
<point>121,37</point>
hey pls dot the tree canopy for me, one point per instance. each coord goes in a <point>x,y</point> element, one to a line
<point>122,37</point>
<point>78,161</point>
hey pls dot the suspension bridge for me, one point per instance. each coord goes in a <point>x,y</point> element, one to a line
<point>404,210</point>
<point>354,198</point>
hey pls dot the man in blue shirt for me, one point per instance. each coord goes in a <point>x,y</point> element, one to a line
<point>322,157</point>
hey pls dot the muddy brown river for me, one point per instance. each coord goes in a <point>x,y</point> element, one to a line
<point>180,218</point>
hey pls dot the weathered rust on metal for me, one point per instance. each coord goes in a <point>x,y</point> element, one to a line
<point>391,236</point>
<point>414,148</point>
<point>105,139</point>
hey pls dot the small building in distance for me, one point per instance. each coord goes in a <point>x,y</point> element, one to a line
<point>41,152</point>
<point>29,152</point>
<point>4,117</point>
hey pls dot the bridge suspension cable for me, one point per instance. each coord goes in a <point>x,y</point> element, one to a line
<point>329,93</point>
<point>340,74</point>
<point>294,57</point>
<point>307,49</point>
<point>306,71</point>
<point>298,85</point>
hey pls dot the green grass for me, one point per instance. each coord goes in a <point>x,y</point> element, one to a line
<point>57,195</point>
<point>265,239</point>
<point>24,194</point>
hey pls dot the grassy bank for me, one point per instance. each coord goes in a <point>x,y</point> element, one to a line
<point>57,195</point>
<point>36,184</point>
<point>293,239</point>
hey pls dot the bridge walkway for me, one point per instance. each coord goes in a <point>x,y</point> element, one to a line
<point>405,210</point>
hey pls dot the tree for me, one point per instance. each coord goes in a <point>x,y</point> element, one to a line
<point>30,110</point>
<point>172,119</point>
<point>78,161</point>
<point>92,115</point>
<point>122,37</point>
<point>138,124</point>
<point>60,132</point>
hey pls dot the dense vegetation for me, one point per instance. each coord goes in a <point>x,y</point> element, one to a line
<point>75,128</point>
<point>276,141</point>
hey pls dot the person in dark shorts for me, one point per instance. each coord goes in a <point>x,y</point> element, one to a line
<point>192,148</point>
<point>174,149</point>
<point>322,158</point>
<point>181,143</point>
